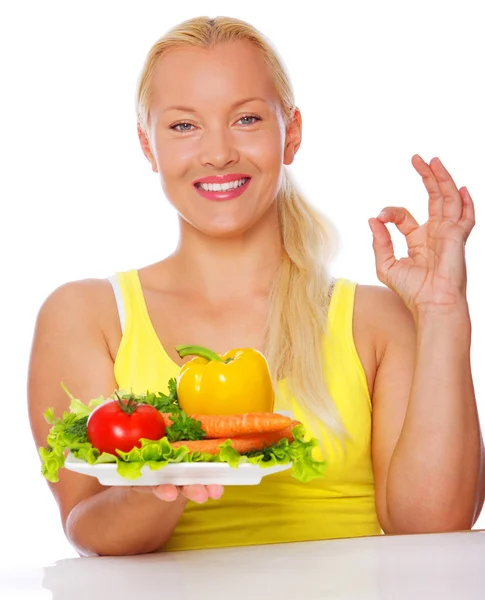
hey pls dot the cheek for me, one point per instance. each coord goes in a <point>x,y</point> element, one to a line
<point>265,149</point>
<point>174,157</point>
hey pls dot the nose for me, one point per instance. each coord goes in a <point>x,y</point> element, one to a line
<point>218,149</point>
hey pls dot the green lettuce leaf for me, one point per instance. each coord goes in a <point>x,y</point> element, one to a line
<point>79,408</point>
<point>304,467</point>
<point>230,456</point>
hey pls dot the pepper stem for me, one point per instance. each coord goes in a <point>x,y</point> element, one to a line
<point>188,350</point>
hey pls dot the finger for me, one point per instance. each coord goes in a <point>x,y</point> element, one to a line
<point>435,202</point>
<point>452,201</point>
<point>143,489</point>
<point>401,217</point>
<point>166,492</point>
<point>196,493</point>
<point>383,248</point>
<point>215,491</point>
<point>467,220</point>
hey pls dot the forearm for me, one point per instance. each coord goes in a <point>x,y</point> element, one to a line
<point>122,521</point>
<point>434,472</point>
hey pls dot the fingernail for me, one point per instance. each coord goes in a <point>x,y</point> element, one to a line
<point>381,214</point>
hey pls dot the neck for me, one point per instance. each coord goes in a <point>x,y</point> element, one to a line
<point>219,268</point>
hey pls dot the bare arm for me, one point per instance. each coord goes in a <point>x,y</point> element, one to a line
<point>69,346</point>
<point>427,447</point>
<point>122,521</point>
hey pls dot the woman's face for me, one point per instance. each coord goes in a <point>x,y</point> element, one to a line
<point>216,113</point>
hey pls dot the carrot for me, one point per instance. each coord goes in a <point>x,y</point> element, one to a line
<point>226,426</point>
<point>167,418</point>
<point>245,443</point>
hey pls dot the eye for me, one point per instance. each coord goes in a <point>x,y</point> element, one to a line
<point>182,127</point>
<point>252,118</point>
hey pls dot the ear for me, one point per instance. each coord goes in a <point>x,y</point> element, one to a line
<point>145,146</point>
<point>293,138</point>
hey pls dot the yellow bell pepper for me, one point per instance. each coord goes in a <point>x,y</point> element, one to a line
<point>237,382</point>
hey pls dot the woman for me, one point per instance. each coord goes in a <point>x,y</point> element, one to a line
<point>218,123</point>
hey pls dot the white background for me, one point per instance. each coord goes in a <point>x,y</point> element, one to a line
<point>376,83</point>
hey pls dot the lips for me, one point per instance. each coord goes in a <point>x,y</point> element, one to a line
<point>221,195</point>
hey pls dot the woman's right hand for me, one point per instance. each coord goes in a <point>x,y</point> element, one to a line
<point>196,493</point>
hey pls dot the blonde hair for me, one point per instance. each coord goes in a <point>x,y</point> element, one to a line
<point>300,296</point>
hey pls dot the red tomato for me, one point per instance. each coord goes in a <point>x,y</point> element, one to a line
<point>112,427</point>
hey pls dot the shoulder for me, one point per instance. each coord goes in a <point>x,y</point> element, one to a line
<point>375,305</point>
<point>86,306</point>
<point>86,296</point>
<point>382,317</point>
<point>380,305</point>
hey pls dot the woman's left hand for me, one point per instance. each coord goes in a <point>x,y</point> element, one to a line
<point>433,275</point>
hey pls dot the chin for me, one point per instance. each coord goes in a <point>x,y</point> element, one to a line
<point>229,223</point>
<point>222,230</point>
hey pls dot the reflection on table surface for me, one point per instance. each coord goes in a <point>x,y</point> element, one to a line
<point>445,566</point>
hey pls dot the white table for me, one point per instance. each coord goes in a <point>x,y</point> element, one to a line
<point>444,566</point>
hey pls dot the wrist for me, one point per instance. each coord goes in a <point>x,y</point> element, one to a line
<point>439,326</point>
<point>448,315</point>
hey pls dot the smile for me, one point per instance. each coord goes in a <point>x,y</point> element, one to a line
<point>223,191</point>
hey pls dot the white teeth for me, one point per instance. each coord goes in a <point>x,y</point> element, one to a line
<point>222,187</point>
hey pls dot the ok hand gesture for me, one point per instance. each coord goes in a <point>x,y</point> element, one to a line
<point>433,275</point>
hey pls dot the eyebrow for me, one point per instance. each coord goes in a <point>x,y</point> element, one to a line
<point>235,105</point>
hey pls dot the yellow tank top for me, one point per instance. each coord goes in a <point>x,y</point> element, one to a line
<point>280,509</point>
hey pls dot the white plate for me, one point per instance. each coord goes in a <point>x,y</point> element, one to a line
<point>177,473</point>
